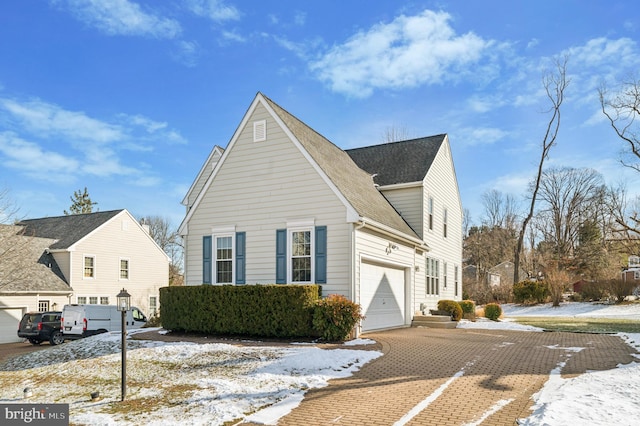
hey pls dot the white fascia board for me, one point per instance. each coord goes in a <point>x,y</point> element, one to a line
<point>216,150</point>
<point>258,99</point>
<point>372,224</point>
<point>402,185</point>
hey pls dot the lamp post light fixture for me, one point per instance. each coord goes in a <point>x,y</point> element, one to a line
<point>124,299</point>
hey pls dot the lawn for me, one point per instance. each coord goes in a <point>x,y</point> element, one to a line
<point>581,325</point>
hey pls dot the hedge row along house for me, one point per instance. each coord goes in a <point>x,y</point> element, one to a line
<point>381,225</point>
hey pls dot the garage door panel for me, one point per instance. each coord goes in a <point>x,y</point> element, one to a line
<point>9,320</point>
<point>382,295</point>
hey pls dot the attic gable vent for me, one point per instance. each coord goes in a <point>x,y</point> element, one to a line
<point>260,130</point>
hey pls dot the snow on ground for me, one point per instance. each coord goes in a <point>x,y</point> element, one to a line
<point>195,383</point>
<point>594,398</point>
<point>216,383</point>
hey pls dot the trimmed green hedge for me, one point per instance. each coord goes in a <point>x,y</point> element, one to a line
<point>281,311</point>
<point>335,316</point>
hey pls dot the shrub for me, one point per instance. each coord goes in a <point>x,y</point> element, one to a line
<point>530,292</point>
<point>619,289</point>
<point>468,309</point>
<point>492,311</point>
<point>334,317</point>
<point>452,308</point>
<point>592,291</point>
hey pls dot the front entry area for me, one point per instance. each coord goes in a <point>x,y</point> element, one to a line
<point>382,296</point>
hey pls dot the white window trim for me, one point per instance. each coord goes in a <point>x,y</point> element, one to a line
<point>430,218</point>
<point>95,272</point>
<point>444,275</point>
<point>120,269</point>
<point>290,231</point>
<point>214,255</point>
<point>445,230</point>
<point>155,307</point>
<point>87,296</point>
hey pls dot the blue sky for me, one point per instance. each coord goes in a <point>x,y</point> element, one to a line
<point>128,97</point>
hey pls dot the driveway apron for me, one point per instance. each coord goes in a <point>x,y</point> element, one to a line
<point>456,377</point>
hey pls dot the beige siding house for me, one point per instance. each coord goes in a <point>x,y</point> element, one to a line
<point>282,204</point>
<point>87,259</point>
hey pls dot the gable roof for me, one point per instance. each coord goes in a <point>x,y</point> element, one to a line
<point>216,151</point>
<point>398,162</point>
<point>27,266</point>
<point>67,230</point>
<point>355,184</point>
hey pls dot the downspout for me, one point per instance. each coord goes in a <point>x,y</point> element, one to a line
<point>363,222</point>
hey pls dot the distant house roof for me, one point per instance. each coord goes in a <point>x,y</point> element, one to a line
<point>398,162</point>
<point>355,184</point>
<point>27,266</point>
<point>66,230</point>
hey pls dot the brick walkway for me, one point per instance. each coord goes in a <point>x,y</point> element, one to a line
<point>496,373</point>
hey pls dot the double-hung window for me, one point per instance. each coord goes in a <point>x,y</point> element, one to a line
<point>223,251</point>
<point>444,224</point>
<point>432,275</point>
<point>89,267</point>
<point>301,253</point>
<point>301,249</point>
<point>455,279</point>
<point>124,269</point>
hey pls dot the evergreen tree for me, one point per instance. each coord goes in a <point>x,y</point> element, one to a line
<point>81,203</point>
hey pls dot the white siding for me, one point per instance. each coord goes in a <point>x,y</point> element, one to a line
<point>258,188</point>
<point>440,184</point>
<point>148,264</point>
<point>409,203</point>
<point>373,247</point>
<point>202,177</point>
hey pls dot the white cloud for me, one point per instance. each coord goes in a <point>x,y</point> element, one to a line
<point>480,135</point>
<point>407,52</point>
<point>216,10</point>
<point>122,17</point>
<point>300,18</point>
<point>32,160</point>
<point>83,145</point>
<point>48,120</point>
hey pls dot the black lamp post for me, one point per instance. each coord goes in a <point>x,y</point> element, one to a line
<point>124,300</point>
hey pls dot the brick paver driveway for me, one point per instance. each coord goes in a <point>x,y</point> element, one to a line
<point>455,377</point>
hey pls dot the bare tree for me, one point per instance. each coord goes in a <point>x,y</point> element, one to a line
<point>396,133</point>
<point>554,84</point>
<point>168,239</point>
<point>500,210</point>
<point>569,198</point>
<point>622,108</point>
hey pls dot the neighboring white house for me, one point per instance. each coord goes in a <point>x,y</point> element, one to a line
<point>381,225</point>
<point>83,258</point>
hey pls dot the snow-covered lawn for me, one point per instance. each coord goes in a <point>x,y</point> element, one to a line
<point>169,382</point>
<point>213,383</point>
<point>595,398</point>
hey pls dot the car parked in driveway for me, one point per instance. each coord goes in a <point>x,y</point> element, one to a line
<point>38,327</point>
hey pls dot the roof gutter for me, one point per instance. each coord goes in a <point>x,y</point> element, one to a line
<point>387,230</point>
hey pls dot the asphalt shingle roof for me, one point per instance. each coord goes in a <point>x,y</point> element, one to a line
<point>66,230</point>
<point>26,266</point>
<point>355,184</point>
<point>398,162</point>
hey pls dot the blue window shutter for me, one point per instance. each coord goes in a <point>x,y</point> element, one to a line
<point>240,257</point>
<point>206,259</point>
<point>321,254</point>
<point>281,256</point>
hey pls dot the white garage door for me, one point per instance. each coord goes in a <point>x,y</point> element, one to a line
<point>9,320</point>
<point>382,296</point>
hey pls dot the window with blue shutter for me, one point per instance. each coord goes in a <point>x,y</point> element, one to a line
<point>321,254</point>
<point>206,259</point>
<point>281,256</point>
<point>240,257</point>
